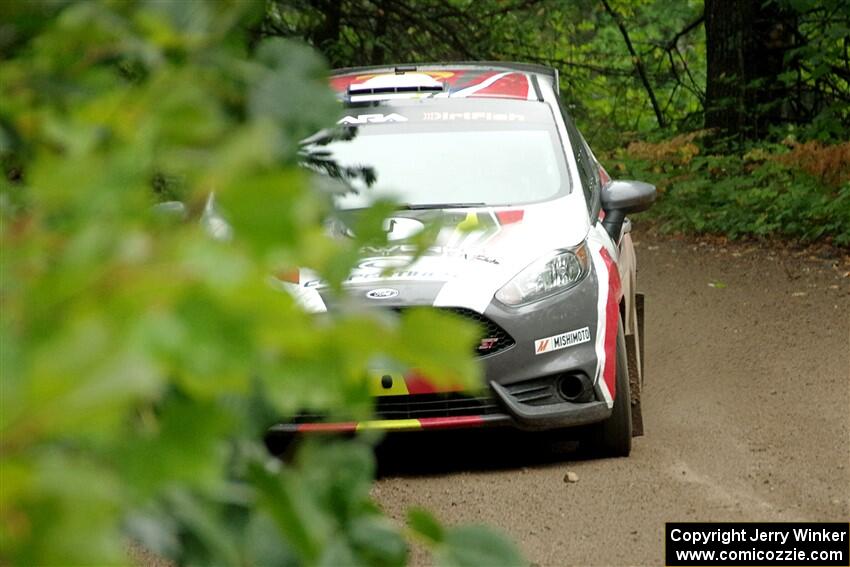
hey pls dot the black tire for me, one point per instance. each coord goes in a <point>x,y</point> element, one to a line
<point>613,437</point>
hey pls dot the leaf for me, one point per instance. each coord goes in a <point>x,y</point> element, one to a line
<point>297,518</point>
<point>263,545</point>
<point>472,546</point>
<point>378,542</point>
<point>287,88</point>
<point>260,209</point>
<point>442,346</point>
<point>155,530</point>
<point>339,475</point>
<point>336,554</point>
<point>425,525</point>
<point>185,445</point>
<point>197,517</point>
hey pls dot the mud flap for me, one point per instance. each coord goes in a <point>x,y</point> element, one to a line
<point>634,353</point>
<point>639,301</point>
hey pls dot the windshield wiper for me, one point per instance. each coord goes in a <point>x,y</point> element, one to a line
<point>425,206</point>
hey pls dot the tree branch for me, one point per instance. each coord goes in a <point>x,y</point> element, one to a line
<point>694,88</point>
<point>563,63</point>
<point>638,64</point>
<point>685,31</point>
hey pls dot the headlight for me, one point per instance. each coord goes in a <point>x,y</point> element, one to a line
<point>549,275</point>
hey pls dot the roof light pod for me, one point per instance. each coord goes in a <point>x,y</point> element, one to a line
<point>394,84</point>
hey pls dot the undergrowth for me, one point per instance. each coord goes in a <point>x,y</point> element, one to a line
<point>798,191</point>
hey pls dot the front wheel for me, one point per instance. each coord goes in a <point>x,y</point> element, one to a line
<point>613,437</point>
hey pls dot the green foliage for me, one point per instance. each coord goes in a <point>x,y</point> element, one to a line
<point>598,73</point>
<point>770,190</point>
<point>579,38</point>
<point>818,71</point>
<point>142,360</point>
<point>463,546</point>
<point>720,191</point>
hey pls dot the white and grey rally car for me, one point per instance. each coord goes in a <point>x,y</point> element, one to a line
<point>535,247</point>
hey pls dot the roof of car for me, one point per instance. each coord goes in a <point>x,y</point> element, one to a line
<point>482,79</point>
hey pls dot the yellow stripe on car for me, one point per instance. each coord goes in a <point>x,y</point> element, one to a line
<point>389,424</point>
<point>377,383</point>
<point>469,223</point>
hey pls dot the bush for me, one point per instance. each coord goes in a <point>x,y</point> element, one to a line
<point>141,360</point>
<point>789,190</point>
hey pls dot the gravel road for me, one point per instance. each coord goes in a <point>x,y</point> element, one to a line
<point>747,413</point>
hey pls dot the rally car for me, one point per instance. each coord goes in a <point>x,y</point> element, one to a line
<point>534,247</point>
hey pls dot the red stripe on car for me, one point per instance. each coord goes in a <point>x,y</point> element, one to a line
<point>612,314</point>
<point>509,217</point>
<point>450,422</point>
<point>419,384</point>
<point>513,85</point>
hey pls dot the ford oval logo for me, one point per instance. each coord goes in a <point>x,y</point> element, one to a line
<point>382,293</point>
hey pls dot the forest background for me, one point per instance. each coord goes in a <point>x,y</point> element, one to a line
<point>738,110</point>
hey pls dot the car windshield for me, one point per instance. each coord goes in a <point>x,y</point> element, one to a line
<point>433,153</point>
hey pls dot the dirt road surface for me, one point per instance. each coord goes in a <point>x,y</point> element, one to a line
<point>747,413</point>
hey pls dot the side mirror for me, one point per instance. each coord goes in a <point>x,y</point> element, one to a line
<point>620,198</point>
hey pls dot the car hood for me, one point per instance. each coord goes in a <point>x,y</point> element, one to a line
<point>476,251</point>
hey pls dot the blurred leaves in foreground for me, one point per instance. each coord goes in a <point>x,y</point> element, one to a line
<point>141,359</point>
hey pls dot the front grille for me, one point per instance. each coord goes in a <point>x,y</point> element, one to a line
<point>493,337</point>
<point>434,405</point>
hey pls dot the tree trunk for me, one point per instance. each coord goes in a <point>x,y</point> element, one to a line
<point>746,42</point>
<point>724,104</point>
<point>381,17</point>
<point>326,35</point>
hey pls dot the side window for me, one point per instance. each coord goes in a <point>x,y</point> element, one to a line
<point>594,171</point>
<point>588,170</point>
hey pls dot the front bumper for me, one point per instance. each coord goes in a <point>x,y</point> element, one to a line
<point>502,408</point>
<point>550,416</point>
<point>456,422</point>
<point>523,390</point>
